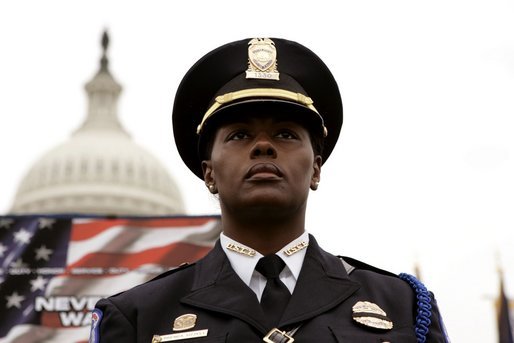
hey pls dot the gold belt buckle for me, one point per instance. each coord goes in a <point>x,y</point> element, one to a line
<point>276,333</point>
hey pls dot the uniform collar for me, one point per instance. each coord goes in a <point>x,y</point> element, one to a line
<point>244,265</point>
<point>217,288</point>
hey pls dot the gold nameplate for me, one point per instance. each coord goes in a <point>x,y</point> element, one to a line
<point>178,336</point>
<point>184,322</point>
<point>241,250</point>
<point>296,248</point>
<point>371,315</point>
<point>262,59</point>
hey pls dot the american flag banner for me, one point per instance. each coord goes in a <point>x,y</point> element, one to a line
<point>55,268</point>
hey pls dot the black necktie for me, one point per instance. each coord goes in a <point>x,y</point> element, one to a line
<point>276,295</point>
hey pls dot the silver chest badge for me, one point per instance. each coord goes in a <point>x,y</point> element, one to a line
<point>371,315</point>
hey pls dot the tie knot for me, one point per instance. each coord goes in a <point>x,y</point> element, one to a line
<point>270,266</point>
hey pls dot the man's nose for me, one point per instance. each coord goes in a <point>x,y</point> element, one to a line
<point>263,147</point>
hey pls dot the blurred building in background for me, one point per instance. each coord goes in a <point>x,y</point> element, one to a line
<point>100,169</point>
<point>93,217</point>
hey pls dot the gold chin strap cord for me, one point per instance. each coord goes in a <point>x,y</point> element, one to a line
<point>273,93</point>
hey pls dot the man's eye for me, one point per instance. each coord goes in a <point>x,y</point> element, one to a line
<point>286,135</point>
<point>238,135</point>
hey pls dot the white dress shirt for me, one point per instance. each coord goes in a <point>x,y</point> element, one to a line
<point>244,265</point>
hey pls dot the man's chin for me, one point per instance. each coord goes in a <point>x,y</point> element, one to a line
<point>268,209</point>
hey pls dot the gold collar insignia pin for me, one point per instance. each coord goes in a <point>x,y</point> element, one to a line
<point>295,248</point>
<point>262,59</point>
<point>241,250</point>
<point>184,322</point>
<point>371,315</point>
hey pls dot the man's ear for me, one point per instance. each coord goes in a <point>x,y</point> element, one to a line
<point>316,174</point>
<point>208,173</point>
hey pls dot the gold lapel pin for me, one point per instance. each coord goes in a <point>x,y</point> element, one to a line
<point>181,323</point>
<point>184,322</point>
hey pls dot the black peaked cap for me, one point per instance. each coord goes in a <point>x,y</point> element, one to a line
<point>222,70</point>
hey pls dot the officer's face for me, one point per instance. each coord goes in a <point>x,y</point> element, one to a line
<point>262,163</point>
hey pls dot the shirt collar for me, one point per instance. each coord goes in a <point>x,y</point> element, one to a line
<point>244,265</point>
<point>294,261</point>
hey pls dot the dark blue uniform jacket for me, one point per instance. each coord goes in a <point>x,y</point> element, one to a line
<point>321,304</point>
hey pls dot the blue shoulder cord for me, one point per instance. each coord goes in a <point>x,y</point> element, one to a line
<point>424,310</point>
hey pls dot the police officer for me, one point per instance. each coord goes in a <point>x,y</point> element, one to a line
<point>255,120</point>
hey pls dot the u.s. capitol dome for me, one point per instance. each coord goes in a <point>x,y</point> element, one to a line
<point>100,169</point>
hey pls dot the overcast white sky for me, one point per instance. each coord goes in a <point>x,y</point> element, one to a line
<point>424,168</point>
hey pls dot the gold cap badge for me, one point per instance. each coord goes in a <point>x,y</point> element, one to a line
<point>262,59</point>
<point>184,322</point>
<point>371,315</point>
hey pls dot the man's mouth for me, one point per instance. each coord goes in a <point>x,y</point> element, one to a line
<point>263,171</point>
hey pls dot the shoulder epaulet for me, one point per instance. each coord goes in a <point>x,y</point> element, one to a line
<point>361,265</point>
<point>181,267</point>
<point>169,272</point>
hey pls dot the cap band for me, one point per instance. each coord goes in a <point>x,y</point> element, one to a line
<point>274,93</point>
